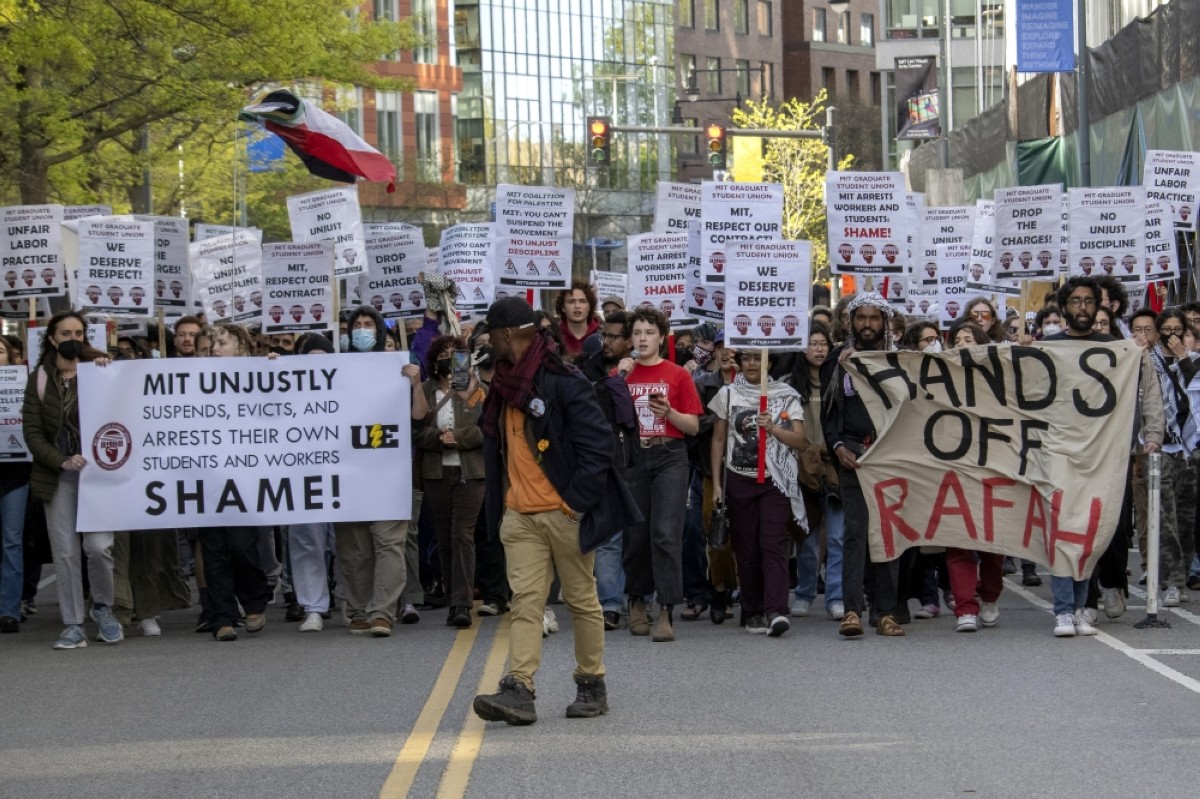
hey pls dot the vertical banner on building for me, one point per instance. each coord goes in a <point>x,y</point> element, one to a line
<point>767,290</point>
<point>676,207</point>
<point>298,287</point>
<point>658,264</point>
<point>31,251</point>
<point>735,212</point>
<point>1162,262</point>
<point>917,98</point>
<point>610,284</point>
<point>1028,232</point>
<point>1174,177</point>
<point>1045,36</point>
<point>116,267</point>
<point>172,278</point>
<point>225,271</point>
<point>867,213</point>
<point>466,258</point>
<point>395,259</point>
<point>1108,232</point>
<point>332,215</point>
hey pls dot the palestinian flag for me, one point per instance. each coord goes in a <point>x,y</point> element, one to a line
<point>326,145</point>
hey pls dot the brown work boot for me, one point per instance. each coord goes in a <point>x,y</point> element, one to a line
<point>639,620</point>
<point>663,629</point>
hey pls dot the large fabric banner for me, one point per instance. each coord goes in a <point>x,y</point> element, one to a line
<point>244,441</point>
<point>1016,450</point>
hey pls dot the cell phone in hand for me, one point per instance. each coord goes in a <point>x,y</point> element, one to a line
<point>460,370</point>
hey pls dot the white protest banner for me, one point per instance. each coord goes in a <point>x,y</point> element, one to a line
<point>172,277</point>
<point>533,263</point>
<point>981,278</point>
<point>1028,229</point>
<point>535,212</point>
<point>12,396</point>
<point>735,212</point>
<point>702,302</point>
<point>116,266</point>
<point>204,232</point>
<point>1108,232</point>
<point>952,282</point>
<point>1064,240</point>
<point>867,215</point>
<point>914,204</point>
<point>466,258</point>
<point>940,228</point>
<point>1174,178</point>
<point>298,286</point>
<point>1162,262</point>
<point>433,259</point>
<point>31,251</point>
<point>73,212</point>
<point>225,271</point>
<point>244,441</point>
<point>767,292</point>
<point>332,215</point>
<point>676,205</point>
<point>609,284</point>
<point>658,265</point>
<point>1016,450</point>
<point>395,257</point>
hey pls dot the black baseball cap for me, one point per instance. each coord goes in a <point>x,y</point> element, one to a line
<point>510,312</point>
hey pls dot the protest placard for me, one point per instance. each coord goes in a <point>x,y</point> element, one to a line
<point>298,287</point>
<point>676,207</point>
<point>244,441</point>
<point>205,231</point>
<point>466,258</point>
<point>766,289</point>
<point>332,215</point>
<point>610,284</point>
<point>1162,262</point>
<point>914,204</point>
<point>533,263</point>
<point>658,265</point>
<point>868,213</point>
<point>922,300</point>
<point>940,228</point>
<point>1108,232</point>
<point>1029,230</point>
<point>396,256</point>
<point>116,267</point>
<point>31,251</point>
<point>952,282</point>
<point>1008,449</point>
<point>535,212</point>
<point>73,212</point>
<point>226,270</point>
<point>13,380</point>
<point>704,303</point>
<point>172,278</point>
<point>1174,178</point>
<point>735,212</point>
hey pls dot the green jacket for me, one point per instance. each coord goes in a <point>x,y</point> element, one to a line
<point>466,432</point>
<point>42,419</point>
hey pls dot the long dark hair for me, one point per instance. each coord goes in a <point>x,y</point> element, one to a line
<point>801,375</point>
<point>48,354</point>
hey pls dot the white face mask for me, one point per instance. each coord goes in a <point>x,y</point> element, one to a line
<point>933,348</point>
<point>1051,330</point>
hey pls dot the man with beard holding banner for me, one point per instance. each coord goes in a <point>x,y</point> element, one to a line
<point>849,432</point>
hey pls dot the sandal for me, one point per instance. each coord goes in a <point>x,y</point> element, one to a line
<point>693,612</point>
<point>851,625</point>
<point>889,626</point>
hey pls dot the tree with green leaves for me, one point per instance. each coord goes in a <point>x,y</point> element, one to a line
<point>95,92</point>
<point>798,164</point>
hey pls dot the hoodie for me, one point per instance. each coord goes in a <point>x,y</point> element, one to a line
<point>380,327</point>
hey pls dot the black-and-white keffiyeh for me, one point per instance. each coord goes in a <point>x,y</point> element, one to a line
<point>1175,404</point>
<point>867,299</point>
<point>441,295</point>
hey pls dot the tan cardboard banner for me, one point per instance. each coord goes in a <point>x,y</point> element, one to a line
<point>1017,450</point>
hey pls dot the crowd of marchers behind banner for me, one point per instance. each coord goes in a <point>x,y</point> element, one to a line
<point>673,414</point>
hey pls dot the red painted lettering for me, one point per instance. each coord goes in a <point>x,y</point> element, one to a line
<point>962,508</point>
<point>1087,540</point>
<point>991,502</point>
<point>889,515</point>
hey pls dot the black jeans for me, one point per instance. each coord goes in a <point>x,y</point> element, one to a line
<point>654,548</point>
<point>491,575</point>
<point>233,573</point>
<point>856,555</point>
<point>456,504</point>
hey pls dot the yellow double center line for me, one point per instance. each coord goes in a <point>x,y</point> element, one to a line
<point>470,738</point>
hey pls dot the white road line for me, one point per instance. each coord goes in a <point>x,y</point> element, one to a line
<point>47,581</point>
<point>1179,678</point>
<point>1186,615</point>
<point>1157,652</point>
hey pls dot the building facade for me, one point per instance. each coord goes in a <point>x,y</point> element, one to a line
<point>831,50</point>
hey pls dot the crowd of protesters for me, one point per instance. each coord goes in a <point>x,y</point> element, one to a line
<point>598,458</point>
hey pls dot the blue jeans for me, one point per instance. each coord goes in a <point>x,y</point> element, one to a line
<point>12,559</point>
<point>610,574</point>
<point>1069,595</point>
<point>808,560</point>
<point>695,562</point>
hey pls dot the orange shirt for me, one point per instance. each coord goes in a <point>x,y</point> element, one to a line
<point>529,491</point>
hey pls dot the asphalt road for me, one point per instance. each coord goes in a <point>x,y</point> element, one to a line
<point>1008,711</point>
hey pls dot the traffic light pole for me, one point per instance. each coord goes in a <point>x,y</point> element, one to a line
<point>688,130</point>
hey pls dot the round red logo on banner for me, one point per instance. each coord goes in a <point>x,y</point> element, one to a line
<point>112,446</point>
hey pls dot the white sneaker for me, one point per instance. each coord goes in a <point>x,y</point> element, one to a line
<point>1082,625</point>
<point>837,611</point>
<point>1090,615</point>
<point>150,627</point>
<point>989,614</point>
<point>1114,603</point>
<point>800,606</point>
<point>312,623</point>
<point>967,623</point>
<point>1171,598</point>
<point>1064,625</point>
<point>549,623</point>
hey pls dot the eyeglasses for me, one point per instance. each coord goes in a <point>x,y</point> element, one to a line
<point>981,314</point>
<point>1171,331</point>
<point>926,341</point>
<point>1081,302</point>
<point>1014,329</point>
<point>611,336</point>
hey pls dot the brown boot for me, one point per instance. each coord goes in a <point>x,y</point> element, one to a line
<point>639,621</point>
<point>663,629</point>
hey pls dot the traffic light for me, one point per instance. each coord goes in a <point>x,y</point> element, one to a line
<point>600,138</point>
<point>716,146</point>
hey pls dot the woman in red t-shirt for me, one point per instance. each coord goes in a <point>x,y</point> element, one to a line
<point>667,408</point>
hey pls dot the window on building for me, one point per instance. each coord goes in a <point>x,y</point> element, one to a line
<point>742,76</point>
<point>818,33</point>
<point>866,30</point>
<point>876,89</point>
<point>766,20</point>
<point>347,106</point>
<point>843,32</point>
<point>424,15</point>
<point>712,81</point>
<point>768,80</point>
<point>687,13</point>
<point>712,18</point>
<point>829,80</point>
<point>852,85</point>
<point>741,16</point>
<point>386,10</point>
<point>387,125</point>
<point>429,140</point>
<point>687,68</point>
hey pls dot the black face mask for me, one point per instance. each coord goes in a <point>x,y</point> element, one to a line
<point>70,349</point>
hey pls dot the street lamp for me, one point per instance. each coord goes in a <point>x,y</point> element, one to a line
<point>839,7</point>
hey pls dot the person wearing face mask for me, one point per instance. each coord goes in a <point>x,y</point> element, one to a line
<point>1048,322</point>
<point>51,426</point>
<point>491,576</point>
